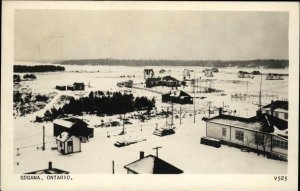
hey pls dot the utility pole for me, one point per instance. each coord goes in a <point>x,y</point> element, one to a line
<point>167,117</point>
<point>209,109</point>
<point>180,115</point>
<point>172,115</point>
<point>156,148</point>
<point>43,138</point>
<point>113,167</point>
<point>194,100</point>
<point>260,93</point>
<point>124,124</point>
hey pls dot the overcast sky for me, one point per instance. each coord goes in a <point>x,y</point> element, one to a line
<point>190,35</point>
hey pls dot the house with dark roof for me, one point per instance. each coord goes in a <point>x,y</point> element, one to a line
<point>180,97</point>
<point>273,76</point>
<point>73,126</point>
<point>78,86</point>
<point>152,82</point>
<point>151,165</point>
<point>67,143</point>
<point>170,81</point>
<point>261,133</point>
<point>278,109</point>
<point>49,170</point>
<point>127,84</point>
<point>243,74</point>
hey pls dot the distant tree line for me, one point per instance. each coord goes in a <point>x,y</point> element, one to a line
<point>37,68</point>
<point>270,63</point>
<point>100,103</point>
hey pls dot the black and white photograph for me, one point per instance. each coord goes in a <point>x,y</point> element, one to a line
<point>151,91</point>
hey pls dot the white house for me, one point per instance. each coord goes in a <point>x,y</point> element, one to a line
<point>262,133</point>
<point>148,73</point>
<point>67,143</point>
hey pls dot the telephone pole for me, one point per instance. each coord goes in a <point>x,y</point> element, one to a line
<point>260,93</point>
<point>124,124</point>
<point>172,115</point>
<point>43,138</point>
<point>180,115</point>
<point>209,108</point>
<point>156,148</point>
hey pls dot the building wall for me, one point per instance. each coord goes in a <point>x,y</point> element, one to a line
<point>215,130</point>
<point>59,145</point>
<point>278,149</point>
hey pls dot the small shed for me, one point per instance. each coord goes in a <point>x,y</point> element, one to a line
<point>67,143</point>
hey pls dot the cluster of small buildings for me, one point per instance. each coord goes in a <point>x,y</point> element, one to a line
<point>273,76</point>
<point>127,84</point>
<point>265,133</point>
<point>244,74</point>
<point>168,81</point>
<point>75,87</point>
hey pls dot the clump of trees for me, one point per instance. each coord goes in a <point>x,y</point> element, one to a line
<point>101,103</point>
<point>29,76</point>
<point>17,78</point>
<point>37,68</point>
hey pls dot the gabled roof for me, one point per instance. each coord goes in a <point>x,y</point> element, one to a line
<point>68,123</point>
<point>63,136</point>
<point>279,105</point>
<point>179,93</point>
<point>79,84</point>
<point>169,78</point>
<point>264,122</point>
<point>152,165</point>
<point>49,171</point>
<point>153,79</point>
<point>64,123</point>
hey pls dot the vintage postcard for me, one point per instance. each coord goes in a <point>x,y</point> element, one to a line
<point>189,95</point>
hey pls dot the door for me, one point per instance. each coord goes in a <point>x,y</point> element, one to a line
<point>70,147</point>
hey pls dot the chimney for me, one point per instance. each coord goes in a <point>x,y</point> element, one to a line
<point>50,165</point>
<point>258,113</point>
<point>272,108</point>
<point>142,154</point>
<point>220,111</point>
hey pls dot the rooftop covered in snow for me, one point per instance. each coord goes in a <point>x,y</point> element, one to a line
<point>152,165</point>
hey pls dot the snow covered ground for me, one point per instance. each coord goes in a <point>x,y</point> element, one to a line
<point>182,149</point>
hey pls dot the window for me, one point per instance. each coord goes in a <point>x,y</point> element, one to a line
<point>286,115</point>
<point>276,114</point>
<point>224,132</point>
<point>259,139</point>
<point>239,135</point>
<point>60,144</point>
<point>280,144</point>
